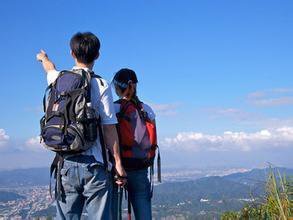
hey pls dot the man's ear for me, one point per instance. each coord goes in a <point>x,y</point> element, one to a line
<point>97,56</point>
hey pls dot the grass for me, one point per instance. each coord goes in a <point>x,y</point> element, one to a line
<point>277,204</point>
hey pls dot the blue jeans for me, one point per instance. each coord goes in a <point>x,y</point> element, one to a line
<point>139,192</point>
<point>85,184</point>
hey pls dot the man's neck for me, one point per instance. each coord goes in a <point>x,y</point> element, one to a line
<point>83,65</point>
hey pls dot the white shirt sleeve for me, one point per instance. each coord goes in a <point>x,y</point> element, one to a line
<point>150,111</point>
<point>52,76</point>
<point>117,107</point>
<point>104,103</point>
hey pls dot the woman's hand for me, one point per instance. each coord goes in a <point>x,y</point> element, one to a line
<point>121,176</point>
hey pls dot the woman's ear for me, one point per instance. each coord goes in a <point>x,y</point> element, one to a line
<point>72,54</point>
<point>130,84</point>
<point>118,92</point>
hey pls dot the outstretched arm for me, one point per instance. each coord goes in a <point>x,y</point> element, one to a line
<point>48,65</point>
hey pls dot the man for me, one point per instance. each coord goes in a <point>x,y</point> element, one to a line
<point>84,180</point>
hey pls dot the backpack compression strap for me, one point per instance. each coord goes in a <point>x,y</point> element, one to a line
<point>123,108</point>
<point>124,104</point>
<point>45,97</point>
<point>89,75</point>
<point>93,75</point>
<point>104,153</point>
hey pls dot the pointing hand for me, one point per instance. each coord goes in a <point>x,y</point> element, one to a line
<point>41,56</point>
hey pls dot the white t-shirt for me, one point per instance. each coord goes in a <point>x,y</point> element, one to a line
<point>102,102</point>
<point>147,108</point>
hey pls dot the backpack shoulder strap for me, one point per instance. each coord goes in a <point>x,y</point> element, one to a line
<point>124,104</point>
<point>93,75</point>
<point>139,107</point>
<point>62,72</point>
<point>119,101</point>
<point>65,71</point>
<point>45,97</point>
<point>101,136</point>
<point>103,145</point>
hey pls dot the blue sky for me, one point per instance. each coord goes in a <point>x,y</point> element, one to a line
<point>207,67</point>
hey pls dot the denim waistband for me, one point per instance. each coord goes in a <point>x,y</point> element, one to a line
<point>81,158</point>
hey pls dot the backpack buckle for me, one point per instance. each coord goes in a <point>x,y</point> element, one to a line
<point>62,94</point>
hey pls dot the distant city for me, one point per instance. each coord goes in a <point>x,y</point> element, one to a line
<point>32,201</point>
<point>189,194</point>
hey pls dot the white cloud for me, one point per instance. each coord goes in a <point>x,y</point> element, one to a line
<point>165,109</point>
<point>273,97</point>
<point>254,119</point>
<point>283,90</point>
<point>257,94</point>
<point>273,101</point>
<point>33,144</point>
<point>234,113</point>
<point>231,141</point>
<point>3,137</point>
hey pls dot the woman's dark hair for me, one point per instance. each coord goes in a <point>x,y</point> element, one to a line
<point>122,79</point>
<point>85,46</point>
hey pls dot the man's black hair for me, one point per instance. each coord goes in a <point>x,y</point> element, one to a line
<point>85,46</point>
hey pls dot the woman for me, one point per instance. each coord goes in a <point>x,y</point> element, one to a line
<point>138,144</point>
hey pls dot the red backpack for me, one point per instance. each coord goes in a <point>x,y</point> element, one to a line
<point>137,136</point>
